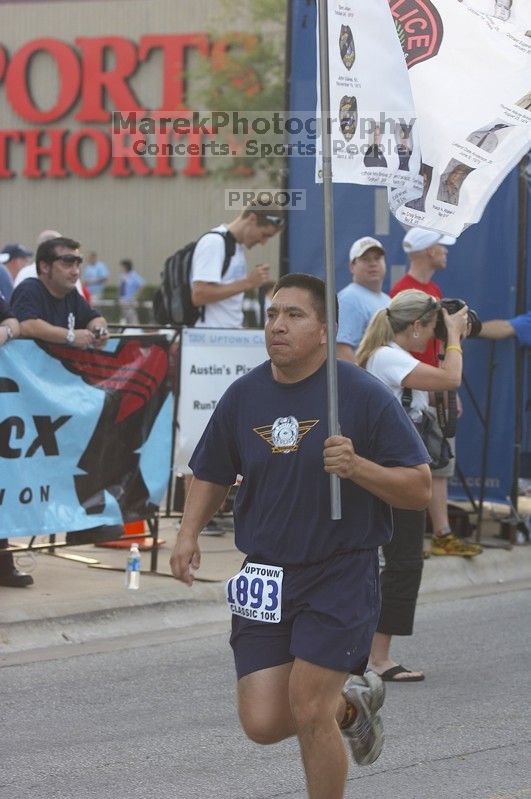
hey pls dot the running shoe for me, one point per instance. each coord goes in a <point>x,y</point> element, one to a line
<point>453,545</point>
<point>365,735</point>
<point>213,528</point>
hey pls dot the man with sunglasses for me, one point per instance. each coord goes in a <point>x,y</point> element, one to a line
<point>30,270</point>
<point>220,291</point>
<point>50,308</point>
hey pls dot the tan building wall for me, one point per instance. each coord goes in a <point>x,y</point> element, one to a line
<point>140,217</point>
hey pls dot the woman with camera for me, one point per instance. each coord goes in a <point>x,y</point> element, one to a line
<point>385,350</point>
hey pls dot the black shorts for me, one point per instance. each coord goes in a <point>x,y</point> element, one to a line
<point>329,614</point>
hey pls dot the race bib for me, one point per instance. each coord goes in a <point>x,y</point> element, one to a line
<point>256,592</point>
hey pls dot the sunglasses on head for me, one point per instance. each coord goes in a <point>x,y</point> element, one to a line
<point>432,305</point>
<point>69,260</point>
<point>274,220</point>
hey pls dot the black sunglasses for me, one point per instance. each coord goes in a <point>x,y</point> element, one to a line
<point>69,260</point>
<point>432,305</point>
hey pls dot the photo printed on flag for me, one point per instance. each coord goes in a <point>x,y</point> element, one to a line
<point>431,98</point>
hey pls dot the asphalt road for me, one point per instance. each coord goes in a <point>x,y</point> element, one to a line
<point>152,717</point>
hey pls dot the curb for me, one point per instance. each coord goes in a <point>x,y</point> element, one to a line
<point>493,567</point>
<point>171,607</point>
<point>117,622</point>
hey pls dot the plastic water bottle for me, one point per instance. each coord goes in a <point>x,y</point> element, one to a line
<point>132,571</point>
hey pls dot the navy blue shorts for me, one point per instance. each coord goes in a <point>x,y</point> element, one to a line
<point>329,614</point>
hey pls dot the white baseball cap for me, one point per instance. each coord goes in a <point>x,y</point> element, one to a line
<point>362,245</point>
<point>418,238</point>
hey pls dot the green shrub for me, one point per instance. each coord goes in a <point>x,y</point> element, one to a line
<point>110,292</point>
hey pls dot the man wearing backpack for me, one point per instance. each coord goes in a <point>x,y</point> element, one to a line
<point>218,290</point>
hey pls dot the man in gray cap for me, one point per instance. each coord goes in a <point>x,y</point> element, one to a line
<point>363,296</point>
<point>427,251</point>
<point>12,258</point>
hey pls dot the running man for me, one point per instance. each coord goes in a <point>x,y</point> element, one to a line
<point>306,601</point>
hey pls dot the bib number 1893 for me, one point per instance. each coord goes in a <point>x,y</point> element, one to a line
<point>256,592</point>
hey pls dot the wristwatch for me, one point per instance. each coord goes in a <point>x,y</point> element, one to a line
<point>71,336</point>
<point>9,332</point>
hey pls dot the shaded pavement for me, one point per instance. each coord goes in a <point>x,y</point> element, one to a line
<point>79,592</point>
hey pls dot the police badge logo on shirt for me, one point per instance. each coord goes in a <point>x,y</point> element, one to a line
<point>285,434</point>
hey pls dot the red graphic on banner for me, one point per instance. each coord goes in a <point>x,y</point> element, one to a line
<point>419,27</point>
<point>134,382</point>
<point>133,372</point>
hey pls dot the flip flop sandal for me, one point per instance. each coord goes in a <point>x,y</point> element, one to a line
<point>391,675</point>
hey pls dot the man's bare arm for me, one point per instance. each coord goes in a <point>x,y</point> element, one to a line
<point>407,487</point>
<point>202,501</point>
<point>204,293</point>
<point>497,329</point>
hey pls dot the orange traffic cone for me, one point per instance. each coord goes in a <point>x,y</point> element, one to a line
<point>131,530</point>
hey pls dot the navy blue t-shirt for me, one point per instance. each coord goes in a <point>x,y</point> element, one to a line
<point>5,310</point>
<point>32,300</point>
<point>273,435</point>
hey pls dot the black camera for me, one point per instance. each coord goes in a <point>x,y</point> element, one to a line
<point>452,306</point>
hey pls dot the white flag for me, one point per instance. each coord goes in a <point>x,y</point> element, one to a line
<point>373,129</point>
<point>471,82</point>
<point>455,121</point>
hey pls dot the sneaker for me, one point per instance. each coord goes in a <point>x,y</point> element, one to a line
<point>212,528</point>
<point>452,545</point>
<point>365,735</point>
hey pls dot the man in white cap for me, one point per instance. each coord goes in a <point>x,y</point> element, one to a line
<point>427,251</point>
<point>363,296</point>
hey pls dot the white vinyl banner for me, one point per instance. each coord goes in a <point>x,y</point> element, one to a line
<point>472,92</point>
<point>211,359</point>
<point>468,72</point>
<point>372,116</point>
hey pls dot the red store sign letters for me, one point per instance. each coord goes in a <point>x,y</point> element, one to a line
<point>93,80</point>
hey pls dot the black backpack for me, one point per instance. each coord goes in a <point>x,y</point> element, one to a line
<point>172,302</point>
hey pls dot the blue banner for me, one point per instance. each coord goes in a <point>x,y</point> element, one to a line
<point>85,436</point>
<point>482,269</point>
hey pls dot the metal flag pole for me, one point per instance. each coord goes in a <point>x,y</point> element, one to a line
<point>328,210</point>
<point>521,307</point>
